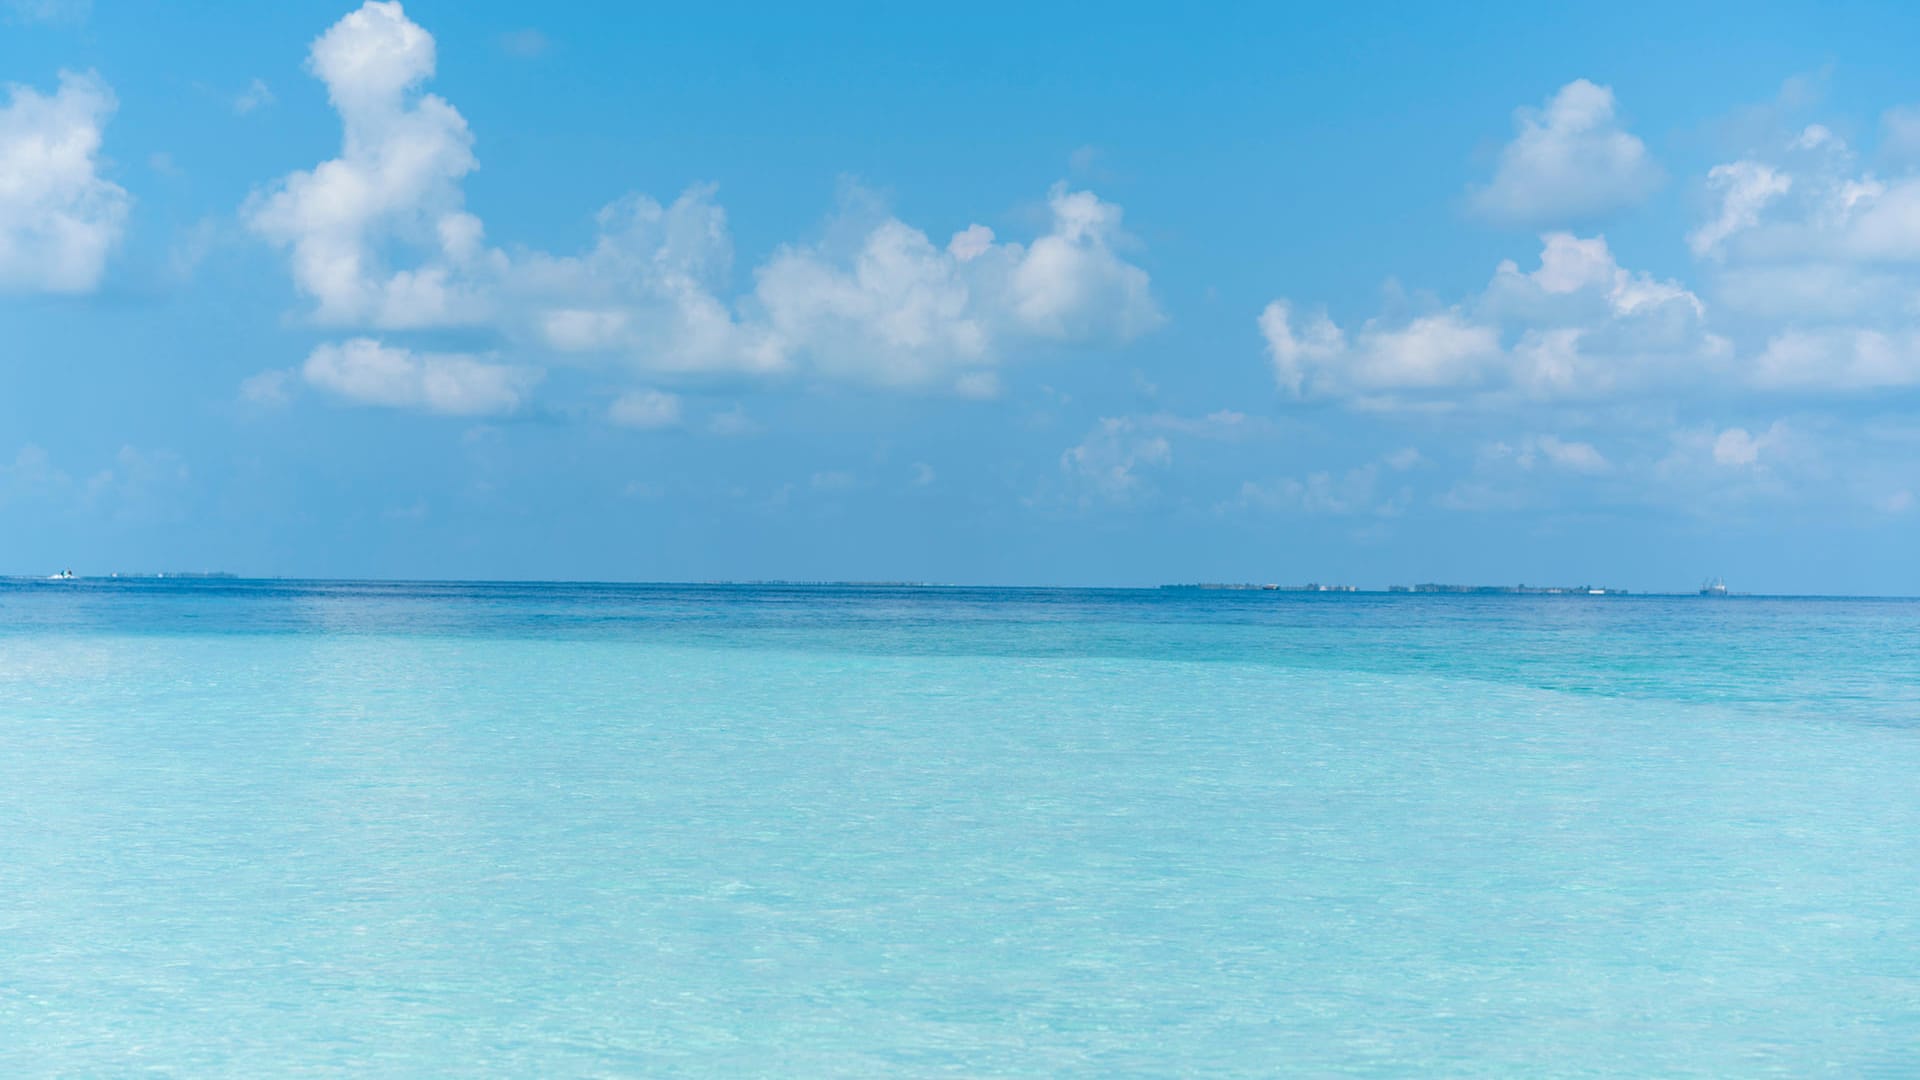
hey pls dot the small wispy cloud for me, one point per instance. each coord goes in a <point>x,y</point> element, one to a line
<point>526,44</point>
<point>46,11</point>
<point>257,95</point>
<point>731,422</point>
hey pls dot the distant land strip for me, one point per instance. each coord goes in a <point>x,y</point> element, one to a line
<point>1428,587</point>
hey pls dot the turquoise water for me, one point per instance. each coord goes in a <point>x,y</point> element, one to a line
<point>258,829</point>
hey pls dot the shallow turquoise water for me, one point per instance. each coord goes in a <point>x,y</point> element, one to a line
<point>270,829</point>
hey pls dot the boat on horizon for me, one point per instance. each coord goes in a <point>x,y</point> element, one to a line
<point>1716,587</point>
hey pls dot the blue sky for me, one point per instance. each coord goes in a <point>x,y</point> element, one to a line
<point>986,294</point>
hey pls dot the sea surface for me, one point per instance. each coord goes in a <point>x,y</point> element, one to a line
<point>255,829</point>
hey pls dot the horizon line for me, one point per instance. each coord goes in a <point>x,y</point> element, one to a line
<point>1424,589</point>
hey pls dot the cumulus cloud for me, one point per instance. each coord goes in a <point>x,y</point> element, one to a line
<point>1299,347</point>
<point>646,290</point>
<point>1713,470</point>
<point>1703,452</point>
<point>367,372</point>
<point>1823,257</point>
<point>895,306</point>
<point>1809,202</point>
<point>1840,358</point>
<point>59,219</point>
<point>1736,447</point>
<point>1570,160</point>
<point>396,180</point>
<point>379,237</point>
<point>1812,262</point>
<point>1580,325</point>
<point>894,309</point>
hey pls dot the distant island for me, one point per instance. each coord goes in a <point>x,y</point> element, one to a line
<point>1428,587</point>
<point>1527,590</point>
<point>1250,587</point>
<point>792,584</point>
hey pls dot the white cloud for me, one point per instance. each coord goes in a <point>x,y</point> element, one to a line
<point>1744,189</point>
<point>1435,351</point>
<point>893,309</point>
<point>1298,352</point>
<point>732,422</point>
<point>1900,133</point>
<point>1108,464</point>
<point>48,11</point>
<point>977,385</point>
<point>1707,455</point>
<point>1823,258</point>
<point>1839,470</point>
<point>645,409</point>
<point>257,95</point>
<point>1570,160</point>
<point>268,389</point>
<point>1355,491</point>
<point>1477,496</point>
<point>1443,349</point>
<point>525,44</point>
<point>1318,493</point>
<point>379,237</point>
<point>896,307</point>
<point>647,290</point>
<point>397,177</point>
<point>136,485</point>
<point>1844,359</point>
<point>1811,260</point>
<point>1553,451</point>
<point>1579,326</point>
<point>59,219</point>
<point>32,473</point>
<point>1810,204</point>
<point>1225,425</point>
<point>139,485</point>
<point>1736,447</point>
<point>367,372</point>
<point>1574,456</point>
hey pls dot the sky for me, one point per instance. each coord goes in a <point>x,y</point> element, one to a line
<point>988,293</point>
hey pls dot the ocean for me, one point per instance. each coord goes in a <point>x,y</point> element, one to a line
<point>319,829</point>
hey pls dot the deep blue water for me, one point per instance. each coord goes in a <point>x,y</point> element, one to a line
<point>269,828</point>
